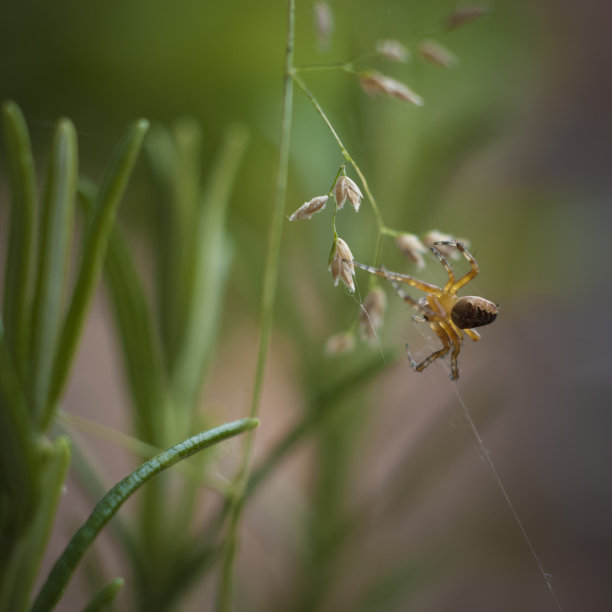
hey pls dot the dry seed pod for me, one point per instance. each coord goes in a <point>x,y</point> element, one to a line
<point>437,54</point>
<point>465,15</point>
<point>341,265</point>
<point>376,84</point>
<point>306,210</point>
<point>324,25</point>
<point>393,50</point>
<point>340,343</point>
<point>412,248</point>
<point>346,189</point>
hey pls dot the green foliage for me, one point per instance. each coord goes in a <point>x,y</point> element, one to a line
<point>43,317</point>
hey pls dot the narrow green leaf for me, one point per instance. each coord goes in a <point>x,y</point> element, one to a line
<point>96,241</point>
<point>210,268</point>
<point>163,159</point>
<point>106,508</point>
<point>18,272</point>
<point>18,468</point>
<point>182,232</point>
<point>33,545</point>
<point>55,240</point>
<point>106,596</point>
<point>141,351</point>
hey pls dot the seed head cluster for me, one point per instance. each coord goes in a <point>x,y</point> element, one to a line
<point>346,189</point>
<point>341,265</point>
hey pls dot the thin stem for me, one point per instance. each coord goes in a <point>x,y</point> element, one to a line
<point>346,66</point>
<point>377,214</point>
<point>225,596</point>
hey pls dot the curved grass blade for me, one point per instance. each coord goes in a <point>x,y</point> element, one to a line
<point>55,239</point>
<point>96,241</point>
<point>106,508</point>
<point>18,271</point>
<point>106,596</point>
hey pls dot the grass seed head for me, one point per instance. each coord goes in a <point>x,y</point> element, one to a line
<point>412,248</point>
<point>393,50</point>
<point>341,265</point>
<point>376,84</point>
<point>306,210</point>
<point>436,54</point>
<point>340,343</point>
<point>346,189</point>
<point>324,25</point>
<point>465,15</point>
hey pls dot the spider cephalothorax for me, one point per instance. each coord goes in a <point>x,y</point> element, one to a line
<point>447,314</point>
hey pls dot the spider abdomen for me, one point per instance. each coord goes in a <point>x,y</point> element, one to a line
<point>473,311</point>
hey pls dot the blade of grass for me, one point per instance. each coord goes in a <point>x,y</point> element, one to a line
<point>210,264</point>
<point>141,351</point>
<point>32,546</point>
<point>106,508</point>
<point>18,468</point>
<point>162,158</point>
<point>55,240</point>
<point>106,596</point>
<point>18,271</point>
<point>181,233</point>
<point>109,196</point>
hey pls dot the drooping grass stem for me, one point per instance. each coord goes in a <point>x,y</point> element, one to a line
<point>375,209</point>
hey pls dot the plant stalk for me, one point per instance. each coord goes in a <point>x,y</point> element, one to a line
<point>226,586</point>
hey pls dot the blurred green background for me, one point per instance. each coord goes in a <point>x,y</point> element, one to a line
<point>512,150</point>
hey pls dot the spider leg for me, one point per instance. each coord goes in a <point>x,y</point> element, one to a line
<point>423,308</point>
<point>473,334</point>
<point>447,346</point>
<point>444,262</point>
<point>400,278</point>
<point>456,337</point>
<point>464,280</point>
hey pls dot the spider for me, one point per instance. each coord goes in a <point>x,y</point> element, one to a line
<point>447,314</point>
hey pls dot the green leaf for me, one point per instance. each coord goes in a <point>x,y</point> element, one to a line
<point>18,468</point>
<point>18,272</point>
<point>96,241</point>
<point>55,240</point>
<point>106,596</point>
<point>141,351</point>
<point>32,546</point>
<point>210,264</point>
<point>106,508</point>
<point>181,233</point>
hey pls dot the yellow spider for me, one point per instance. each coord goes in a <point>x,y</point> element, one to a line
<point>447,314</point>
